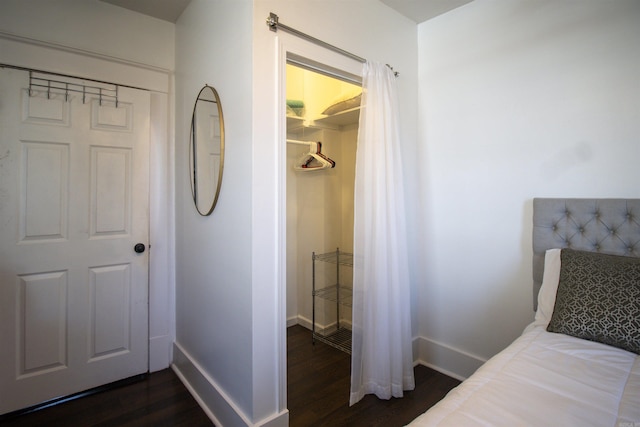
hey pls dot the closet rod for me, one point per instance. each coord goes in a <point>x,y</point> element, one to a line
<point>274,25</point>
<point>295,141</point>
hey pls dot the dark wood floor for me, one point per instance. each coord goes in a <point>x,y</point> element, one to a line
<point>158,400</point>
<point>318,389</point>
<point>318,395</point>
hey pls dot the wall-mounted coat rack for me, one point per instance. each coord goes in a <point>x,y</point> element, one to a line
<point>51,85</point>
<point>57,83</point>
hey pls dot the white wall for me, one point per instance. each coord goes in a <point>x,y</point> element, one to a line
<point>319,219</point>
<point>213,254</point>
<point>517,100</point>
<point>94,27</point>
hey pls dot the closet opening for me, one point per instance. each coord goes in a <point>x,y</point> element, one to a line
<point>322,114</point>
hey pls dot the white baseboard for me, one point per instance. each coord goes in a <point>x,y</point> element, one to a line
<point>441,357</point>
<point>212,398</point>
<point>299,320</point>
<point>209,395</point>
<point>303,321</point>
<point>278,420</point>
<point>446,359</point>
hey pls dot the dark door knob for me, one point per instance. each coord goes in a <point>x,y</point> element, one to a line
<point>139,248</point>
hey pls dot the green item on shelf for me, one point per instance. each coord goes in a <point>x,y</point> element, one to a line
<point>295,103</point>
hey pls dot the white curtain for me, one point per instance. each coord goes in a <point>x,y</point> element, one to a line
<point>381,359</point>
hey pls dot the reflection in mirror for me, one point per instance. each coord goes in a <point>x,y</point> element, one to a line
<point>206,150</point>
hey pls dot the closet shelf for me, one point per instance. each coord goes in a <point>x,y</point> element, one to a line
<point>334,121</point>
<point>336,293</point>
<point>340,339</point>
<point>295,123</point>
<point>343,118</point>
<point>335,257</point>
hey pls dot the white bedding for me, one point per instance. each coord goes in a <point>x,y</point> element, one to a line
<point>545,379</point>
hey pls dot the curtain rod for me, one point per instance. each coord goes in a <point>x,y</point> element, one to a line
<point>274,24</point>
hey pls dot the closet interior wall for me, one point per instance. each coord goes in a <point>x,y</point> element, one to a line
<point>319,203</point>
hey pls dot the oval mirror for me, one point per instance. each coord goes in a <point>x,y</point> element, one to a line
<point>206,150</point>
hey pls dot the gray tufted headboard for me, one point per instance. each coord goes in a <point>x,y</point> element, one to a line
<point>596,225</point>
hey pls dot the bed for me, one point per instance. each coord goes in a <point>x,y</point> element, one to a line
<point>577,364</point>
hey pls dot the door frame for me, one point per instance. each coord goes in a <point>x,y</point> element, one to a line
<point>29,53</point>
<point>319,56</point>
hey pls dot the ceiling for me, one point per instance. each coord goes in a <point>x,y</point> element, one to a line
<point>422,10</point>
<point>416,10</point>
<point>167,10</point>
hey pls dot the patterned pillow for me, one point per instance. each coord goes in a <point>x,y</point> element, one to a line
<point>598,299</point>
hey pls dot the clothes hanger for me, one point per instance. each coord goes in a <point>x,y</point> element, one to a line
<point>314,159</point>
<point>306,162</point>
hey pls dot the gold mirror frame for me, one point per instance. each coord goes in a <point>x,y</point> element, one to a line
<point>206,150</point>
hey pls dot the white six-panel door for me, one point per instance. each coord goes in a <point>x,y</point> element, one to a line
<point>74,196</point>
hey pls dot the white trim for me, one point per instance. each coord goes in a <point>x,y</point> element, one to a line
<point>205,389</point>
<point>299,320</point>
<point>160,352</point>
<point>446,359</point>
<point>320,328</point>
<point>286,43</point>
<point>276,420</point>
<point>161,241</point>
<point>31,53</point>
<point>171,210</point>
<point>281,197</point>
<point>50,45</point>
<point>195,395</point>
